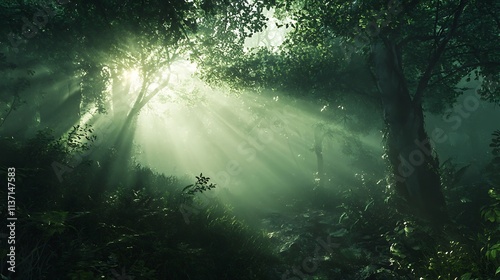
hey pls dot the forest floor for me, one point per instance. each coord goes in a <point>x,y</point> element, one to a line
<point>314,243</point>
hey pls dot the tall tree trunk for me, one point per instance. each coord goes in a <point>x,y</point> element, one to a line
<point>413,163</point>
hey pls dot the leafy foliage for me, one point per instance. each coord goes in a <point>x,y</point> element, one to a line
<point>371,216</point>
<point>494,165</point>
<point>130,227</point>
<point>491,212</point>
<point>200,186</point>
<point>79,138</point>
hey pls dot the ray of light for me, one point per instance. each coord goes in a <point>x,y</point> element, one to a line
<point>251,145</point>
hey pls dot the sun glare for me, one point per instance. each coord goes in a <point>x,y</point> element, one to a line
<point>178,72</point>
<point>133,76</point>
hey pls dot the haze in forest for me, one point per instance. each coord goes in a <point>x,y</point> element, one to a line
<point>258,139</point>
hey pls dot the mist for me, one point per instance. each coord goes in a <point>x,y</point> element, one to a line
<point>249,140</point>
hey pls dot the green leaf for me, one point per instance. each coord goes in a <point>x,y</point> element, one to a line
<point>466,276</point>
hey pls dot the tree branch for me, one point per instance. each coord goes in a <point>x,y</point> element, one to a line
<point>441,48</point>
<point>154,92</point>
<point>421,38</point>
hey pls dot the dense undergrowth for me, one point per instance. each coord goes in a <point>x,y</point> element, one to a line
<point>379,238</point>
<point>468,247</point>
<point>144,225</point>
<point>140,224</point>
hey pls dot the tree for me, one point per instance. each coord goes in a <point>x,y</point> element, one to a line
<point>92,46</point>
<point>417,53</point>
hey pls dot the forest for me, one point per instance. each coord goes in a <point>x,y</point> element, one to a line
<point>250,140</point>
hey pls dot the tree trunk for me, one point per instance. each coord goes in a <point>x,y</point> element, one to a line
<point>413,163</point>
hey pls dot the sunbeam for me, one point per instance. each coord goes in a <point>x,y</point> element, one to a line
<point>250,140</point>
